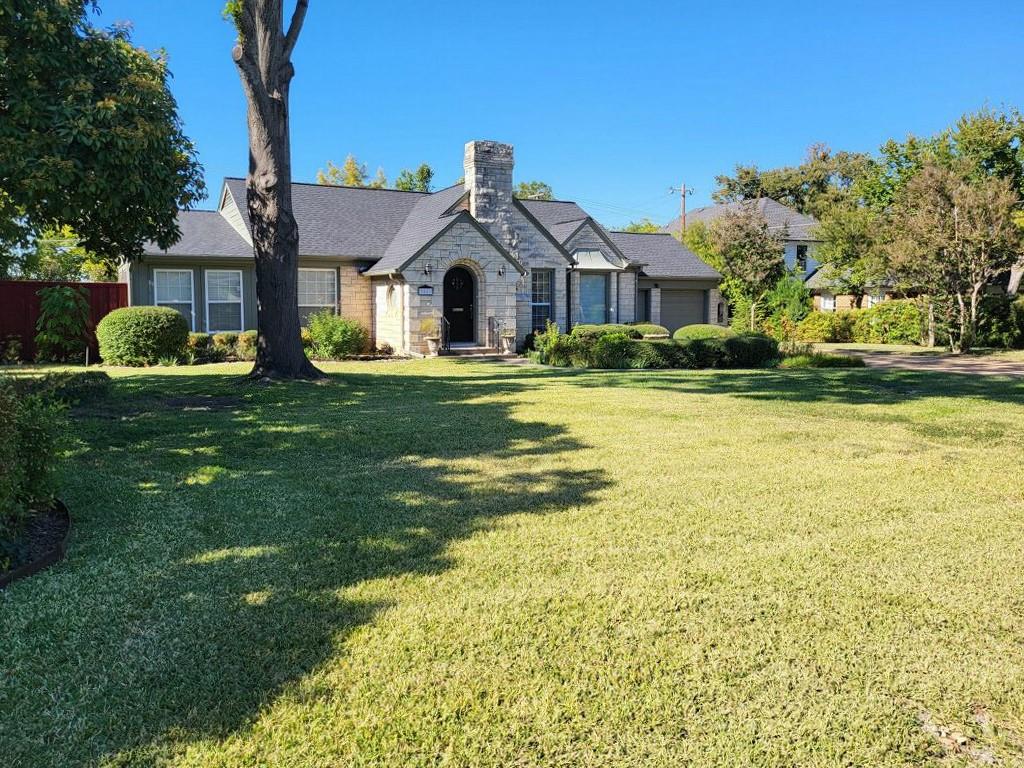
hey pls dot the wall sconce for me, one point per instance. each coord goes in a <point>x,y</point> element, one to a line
<point>427,268</point>
<point>501,271</point>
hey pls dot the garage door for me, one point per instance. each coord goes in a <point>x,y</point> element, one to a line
<point>679,308</point>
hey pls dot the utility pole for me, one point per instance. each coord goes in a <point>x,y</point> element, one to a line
<point>683,191</point>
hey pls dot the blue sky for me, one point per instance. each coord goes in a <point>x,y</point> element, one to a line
<point>610,103</point>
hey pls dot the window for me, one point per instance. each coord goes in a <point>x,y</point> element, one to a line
<point>318,290</point>
<point>541,298</point>
<point>828,302</point>
<point>875,299</point>
<point>801,258</point>
<point>593,298</point>
<point>173,288</point>
<point>223,300</point>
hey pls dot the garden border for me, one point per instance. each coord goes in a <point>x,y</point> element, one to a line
<point>55,555</point>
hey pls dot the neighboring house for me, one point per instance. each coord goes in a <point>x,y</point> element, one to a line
<point>797,230</point>
<point>470,257</point>
<point>828,298</point>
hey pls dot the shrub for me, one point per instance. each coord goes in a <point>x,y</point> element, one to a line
<point>245,347</point>
<point>31,426</point>
<point>141,335</point>
<point>307,339</point>
<point>10,350</point>
<point>649,330</point>
<point>658,354</point>
<point>891,322</point>
<point>817,328</point>
<point>822,360</point>
<point>702,331</point>
<point>749,350</point>
<point>612,350</point>
<point>70,388</point>
<point>63,323</point>
<point>225,344</point>
<point>1001,322</point>
<point>586,330</point>
<point>336,337</point>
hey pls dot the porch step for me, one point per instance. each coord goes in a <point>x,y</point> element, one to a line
<point>470,351</point>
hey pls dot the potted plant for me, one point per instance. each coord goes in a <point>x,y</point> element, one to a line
<point>508,340</point>
<point>431,331</point>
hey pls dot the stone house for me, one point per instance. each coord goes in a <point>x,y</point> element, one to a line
<point>470,260</point>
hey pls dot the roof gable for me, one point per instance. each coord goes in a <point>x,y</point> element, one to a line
<point>780,218</point>
<point>661,255</point>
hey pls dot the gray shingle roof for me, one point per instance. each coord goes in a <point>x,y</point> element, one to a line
<point>204,233</point>
<point>425,221</point>
<point>559,217</point>
<point>662,255</point>
<point>342,221</point>
<point>779,217</point>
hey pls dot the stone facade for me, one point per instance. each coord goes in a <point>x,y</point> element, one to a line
<point>356,298</point>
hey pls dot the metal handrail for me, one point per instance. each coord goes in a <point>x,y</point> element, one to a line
<point>446,335</point>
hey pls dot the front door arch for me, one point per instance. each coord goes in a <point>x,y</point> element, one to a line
<point>459,291</point>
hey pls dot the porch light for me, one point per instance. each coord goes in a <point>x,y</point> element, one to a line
<point>501,271</point>
<point>427,268</point>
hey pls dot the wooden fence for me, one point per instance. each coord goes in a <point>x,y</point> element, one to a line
<point>19,309</point>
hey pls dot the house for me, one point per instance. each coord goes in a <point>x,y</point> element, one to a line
<point>796,229</point>
<point>828,298</point>
<point>471,259</point>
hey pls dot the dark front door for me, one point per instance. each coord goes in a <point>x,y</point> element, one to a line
<point>458,303</point>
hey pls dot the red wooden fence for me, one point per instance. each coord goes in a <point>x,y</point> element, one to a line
<point>19,309</point>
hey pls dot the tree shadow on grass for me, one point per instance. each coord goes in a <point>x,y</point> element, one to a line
<point>230,530</point>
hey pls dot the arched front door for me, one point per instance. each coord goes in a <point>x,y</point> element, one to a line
<point>458,304</point>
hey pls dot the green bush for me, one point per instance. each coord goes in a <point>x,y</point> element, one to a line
<point>585,330</point>
<point>225,344</point>
<point>749,350</point>
<point>307,339</point>
<point>141,335</point>
<point>658,354</point>
<point>650,329</point>
<point>1001,322</point>
<point>822,360</point>
<point>245,347</point>
<point>891,322</point>
<point>336,337</point>
<point>817,328</point>
<point>10,350</point>
<point>68,387</point>
<point>612,350</point>
<point>31,430</point>
<point>63,324</point>
<point>702,331</point>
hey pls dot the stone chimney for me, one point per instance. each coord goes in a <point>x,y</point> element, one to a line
<point>488,167</point>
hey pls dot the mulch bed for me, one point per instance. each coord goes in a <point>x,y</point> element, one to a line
<point>41,544</point>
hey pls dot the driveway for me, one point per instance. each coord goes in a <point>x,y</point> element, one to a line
<point>922,359</point>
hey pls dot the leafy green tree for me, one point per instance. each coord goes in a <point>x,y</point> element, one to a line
<point>263,54</point>
<point>89,135</point>
<point>380,181</point>
<point>751,255</point>
<point>853,253</point>
<point>953,236</point>
<point>352,173</point>
<point>415,181</point>
<point>534,190</point>
<point>641,226</point>
<point>56,254</point>
<point>824,179</point>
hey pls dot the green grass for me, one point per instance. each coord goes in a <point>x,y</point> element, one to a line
<point>447,563</point>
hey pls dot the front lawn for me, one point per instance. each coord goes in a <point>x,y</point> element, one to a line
<point>450,563</point>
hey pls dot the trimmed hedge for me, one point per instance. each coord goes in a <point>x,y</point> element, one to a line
<point>821,360</point>
<point>245,347</point>
<point>650,330</point>
<point>702,331</point>
<point>141,335</point>
<point>593,331</point>
<point>336,337</point>
<point>616,350</point>
<point>891,322</point>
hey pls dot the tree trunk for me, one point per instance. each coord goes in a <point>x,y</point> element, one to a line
<point>263,57</point>
<point>1016,273</point>
<point>931,322</point>
<point>957,340</point>
<point>753,316</point>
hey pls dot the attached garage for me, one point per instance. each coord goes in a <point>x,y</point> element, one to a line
<point>682,307</point>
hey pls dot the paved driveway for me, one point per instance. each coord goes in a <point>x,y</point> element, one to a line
<point>980,365</point>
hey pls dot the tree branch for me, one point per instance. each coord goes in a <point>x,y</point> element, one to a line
<point>298,16</point>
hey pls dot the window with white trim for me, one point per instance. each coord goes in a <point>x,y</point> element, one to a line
<point>594,298</point>
<point>318,290</point>
<point>223,300</point>
<point>173,288</point>
<point>828,302</point>
<point>541,303</point>
<point>875,299</point>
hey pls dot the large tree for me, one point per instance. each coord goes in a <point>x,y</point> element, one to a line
<point>534,190</point>
<point>350,174</point>
<point>263,55</point>
<point>954,235</point>
<point>89,135</point>
<point>853,252</point>
<point>415,181</point>
<point>642,226</point>
<point>750,254</point>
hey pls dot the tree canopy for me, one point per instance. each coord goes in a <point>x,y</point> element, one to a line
<point>89,134</point>
<point>533,190</point>
<point>352,173</point>
<point>642,226</point>
<point>415,181</point>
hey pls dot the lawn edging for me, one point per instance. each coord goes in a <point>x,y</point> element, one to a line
<point>54,555</point>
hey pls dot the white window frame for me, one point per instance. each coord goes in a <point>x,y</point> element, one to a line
<point>828,302</point>
<point>335,304</point>
<point>874,299</point>
<point>550,303</point>
<point>191,292</point>
<point>241,301</point>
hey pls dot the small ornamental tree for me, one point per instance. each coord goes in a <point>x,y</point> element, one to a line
<point>89,135</point>
<point>953,236</point>
<point>750,254</point>
<point>263,55</point>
